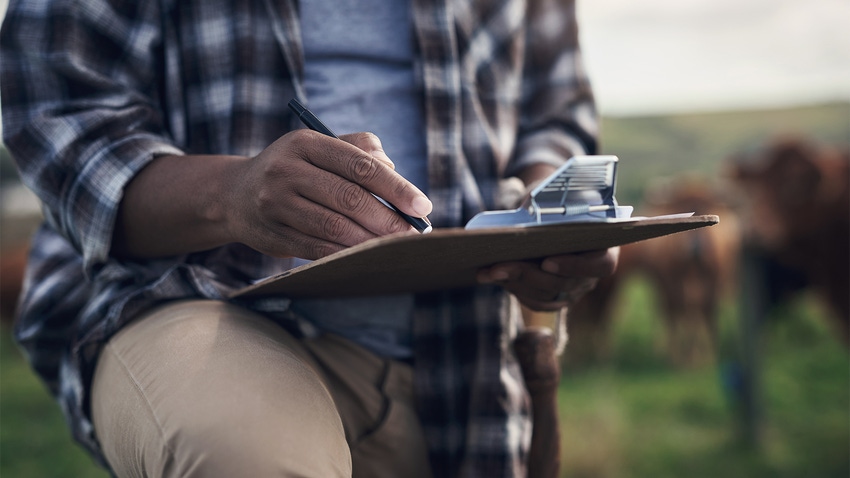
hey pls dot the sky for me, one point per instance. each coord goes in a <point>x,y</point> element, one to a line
<point>660,56</point>
<point>663,56</point>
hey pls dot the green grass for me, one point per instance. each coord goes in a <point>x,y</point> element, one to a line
<point>637,416</point>
<point>34,441</point>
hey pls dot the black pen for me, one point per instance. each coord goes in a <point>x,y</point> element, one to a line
<point>311,121</point>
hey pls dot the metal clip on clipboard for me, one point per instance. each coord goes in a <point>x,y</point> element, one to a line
<point>582,190</point>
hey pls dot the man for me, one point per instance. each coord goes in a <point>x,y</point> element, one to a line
<point>158,138</point>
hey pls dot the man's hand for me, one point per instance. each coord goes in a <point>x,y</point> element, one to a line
<point>556,282</point>
<point>308,195</point>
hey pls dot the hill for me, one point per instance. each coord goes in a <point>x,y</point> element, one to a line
<point>653,146</point>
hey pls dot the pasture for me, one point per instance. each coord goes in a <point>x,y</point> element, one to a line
<point>632,414</point>
<point>637,416</point>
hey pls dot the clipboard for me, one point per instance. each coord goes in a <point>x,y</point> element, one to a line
<point>573,210</point>
<point>581,190</point>
<point>450,258</point>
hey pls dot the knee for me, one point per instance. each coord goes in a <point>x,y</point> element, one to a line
<point>230,396</point>
<point>273,446</point>
<point>280,424</point>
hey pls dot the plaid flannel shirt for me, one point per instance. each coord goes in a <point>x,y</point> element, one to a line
<point>93,91</point>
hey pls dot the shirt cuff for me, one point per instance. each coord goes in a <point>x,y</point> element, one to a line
<point>91,206</point>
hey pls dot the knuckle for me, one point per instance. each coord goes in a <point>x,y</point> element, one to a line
<point>334,226</point>
<point>265,200</point>
<point>369,139</point>
<point>351,197</point>
<point>274,170</point>
<point>298,136</point>
<point>364,140</point>
<point>292,141</point>
<point>299,144</point>
<point>362,168</point>
<point>312,248</point>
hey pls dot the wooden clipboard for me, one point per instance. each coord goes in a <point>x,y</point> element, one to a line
<point>449,258</point>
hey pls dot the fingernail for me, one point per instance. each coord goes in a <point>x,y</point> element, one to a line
<point>550,266</point>
<point>421,206</point>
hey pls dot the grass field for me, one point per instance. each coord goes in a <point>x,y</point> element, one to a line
<point>34,441</point>
<point>639,417</point>
<point>634,416</point>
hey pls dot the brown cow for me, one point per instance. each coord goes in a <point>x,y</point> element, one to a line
<point>690,273</point>
<point>694,271</point>
<point>796,198</point>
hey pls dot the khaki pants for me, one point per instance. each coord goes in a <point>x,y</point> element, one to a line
<point>209,389</point>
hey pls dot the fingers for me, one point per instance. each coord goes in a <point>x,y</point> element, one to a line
<point>316,220</point>
<point>350,209</point>
<point>556,282</point>
<point>308,195</point>
<point>597,264</point>
<point>540,290</point>
<point>367,170</point>
<point>593,264</point>
<point>286,241</point>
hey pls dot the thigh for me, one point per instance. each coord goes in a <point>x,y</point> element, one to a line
<point>374,397</point>
<point>204,388</point>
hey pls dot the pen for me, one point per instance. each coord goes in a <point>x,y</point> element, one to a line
<point>311,121</point>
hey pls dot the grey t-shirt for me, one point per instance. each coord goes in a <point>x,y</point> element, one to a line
<point>359,76</point>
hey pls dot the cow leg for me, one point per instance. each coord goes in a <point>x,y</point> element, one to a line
<point>535,351</point>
